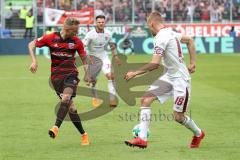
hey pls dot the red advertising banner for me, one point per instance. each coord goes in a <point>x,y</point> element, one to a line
<point>55,17</point>
<point>206,30</point>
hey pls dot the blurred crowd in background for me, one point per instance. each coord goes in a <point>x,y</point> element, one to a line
<point>133,12</point>
<point>136,10</point>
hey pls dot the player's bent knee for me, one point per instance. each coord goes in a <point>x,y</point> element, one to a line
<point>72,107</point>
<point>179,117</point>
<point>110,76</point>
<point>66,98</point>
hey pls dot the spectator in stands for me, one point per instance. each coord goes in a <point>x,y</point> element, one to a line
<point>225,13</point>
<point>65,4</point>
<point>22,14</point>
<point>205,13</point>
<point>8,14</point>
<point>81,4</point>
<point>108,11</point>
<point>190,10</point>
<point>215,13</point>
<point>197,12</point>
<point>124,11</point>
<point>99,7</point>
<point>184,10</point>
<point>168,11</point>
<point>142,16</point>
<point>29,25</point>
<point>50,3</point>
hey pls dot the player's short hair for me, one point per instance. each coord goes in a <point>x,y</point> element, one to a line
<point>100,16</point>
<point>71,21</point>
<point>155,16</point>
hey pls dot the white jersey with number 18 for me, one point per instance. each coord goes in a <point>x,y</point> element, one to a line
<point>167,44</point>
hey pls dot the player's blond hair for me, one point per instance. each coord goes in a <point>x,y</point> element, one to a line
<point>155,17</point>
<point>71,21</point>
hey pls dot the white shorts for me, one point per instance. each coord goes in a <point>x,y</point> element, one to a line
<point>106,67</point>
<point>97,64</point>
<point>178,88</point>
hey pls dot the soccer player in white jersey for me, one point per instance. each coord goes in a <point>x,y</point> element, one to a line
<point>175,82</point>
<point>97,41</point>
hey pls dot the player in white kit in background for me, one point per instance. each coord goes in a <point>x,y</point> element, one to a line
<point>175,82</point>
<point>97,41</point>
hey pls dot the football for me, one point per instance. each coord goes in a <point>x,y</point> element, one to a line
<point>136,130</point>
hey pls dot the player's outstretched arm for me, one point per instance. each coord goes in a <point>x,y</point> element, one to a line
<point>114,53</point>
<point>154,64</point>
<point>192,52</point>
<point>34,65</point>
<point>85,67</point>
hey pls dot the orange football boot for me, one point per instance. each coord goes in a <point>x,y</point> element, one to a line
<point>53,132</point>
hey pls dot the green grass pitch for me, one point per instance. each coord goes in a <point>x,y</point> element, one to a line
<point>27,112</point>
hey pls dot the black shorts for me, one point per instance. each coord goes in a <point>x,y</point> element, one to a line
<point>60,84</point>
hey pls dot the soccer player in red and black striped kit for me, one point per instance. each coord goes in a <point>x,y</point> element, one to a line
<point>64,74</point>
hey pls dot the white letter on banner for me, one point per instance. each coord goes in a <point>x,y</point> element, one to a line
<point>146,44</point>
<point>216,32</point>
<point>198,30</point>
<point>212,41</point>
<point>227,45</point>
<point>225,30</point>
<point>199,45</point>
<point>190,31</point>
<point>205,31</point>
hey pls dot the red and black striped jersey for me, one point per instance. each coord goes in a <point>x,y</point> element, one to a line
<point>62,52</point>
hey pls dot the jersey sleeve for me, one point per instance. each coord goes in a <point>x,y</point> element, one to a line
<point>81,51</point>
<point>86,39</point>
<point>160,46</point>
<point>111,39</point>
<point>109,34</point>
<point>177,34</point>
<point>42,41</point>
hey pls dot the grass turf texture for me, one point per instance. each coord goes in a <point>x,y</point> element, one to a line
<point>27,112</point>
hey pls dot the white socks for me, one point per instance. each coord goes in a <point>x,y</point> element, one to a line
<point>94,92</point>
<point>190,124</point>
<point>145,119</point>
<point>111,89</point>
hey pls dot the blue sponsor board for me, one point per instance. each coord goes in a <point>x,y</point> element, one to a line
<point>13,46</point>
<point>142,45</point>
<point>203,45</point>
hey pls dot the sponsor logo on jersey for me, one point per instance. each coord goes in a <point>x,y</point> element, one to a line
<point>60,54</point>
<point>158,50</point>
<point>71,45</point>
